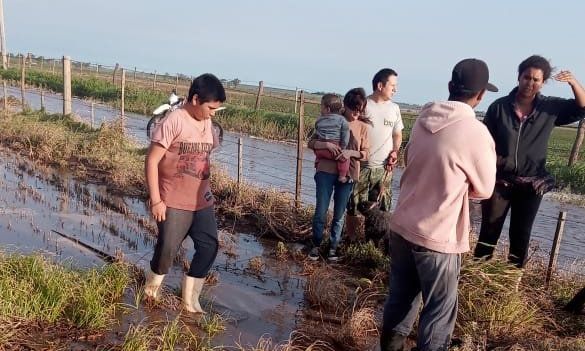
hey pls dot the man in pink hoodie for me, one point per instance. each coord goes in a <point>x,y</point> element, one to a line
<point>450,158</point>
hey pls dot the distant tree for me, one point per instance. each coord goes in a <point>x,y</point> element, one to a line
<point>235,82</point>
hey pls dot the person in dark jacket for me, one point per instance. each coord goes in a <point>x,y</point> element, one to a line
<point>521,124</point>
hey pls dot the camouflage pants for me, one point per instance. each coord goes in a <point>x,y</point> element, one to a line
<point>368,187</point>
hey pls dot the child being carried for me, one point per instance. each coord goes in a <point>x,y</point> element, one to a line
<point>332,127</point>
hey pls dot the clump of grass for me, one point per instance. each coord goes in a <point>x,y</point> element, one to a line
<point>256,265</point>
<point>34,289</point>
<point>281,251</point>
<point>361,329</point>
<point>212,324</point>
<point>138,338</point>
<point>491,303</point>
<point>366,255</point>
<point>325,289</point>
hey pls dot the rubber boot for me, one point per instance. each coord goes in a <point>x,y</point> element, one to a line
<point>152,285</point>
<point>191,290</point>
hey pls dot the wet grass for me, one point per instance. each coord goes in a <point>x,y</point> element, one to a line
<point>59,140</point>
<point>33,289</point>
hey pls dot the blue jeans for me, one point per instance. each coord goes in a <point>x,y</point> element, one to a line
<point>416,271</point>
<point>326,184</point>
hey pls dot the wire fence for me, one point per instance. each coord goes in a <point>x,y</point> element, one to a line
<point>269,164</point>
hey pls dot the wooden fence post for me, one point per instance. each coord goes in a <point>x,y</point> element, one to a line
<point>80,68</point>
<point>42,99</point>
<point>240,160</point>
<point>66,85</point>
<point>577,144</point>
<point>42,61</point>
<point>92,114</point>
<point>154,81</point>
<point>114,74</point>
<point>22,80</point>
<point>97,69</point>
<point>296,98</point>
<point>300,137</point>
<point>260,91</point>
<point>134,74</point>
<point>123,87</point>
<point>177,81</point>
<point>554,252</point>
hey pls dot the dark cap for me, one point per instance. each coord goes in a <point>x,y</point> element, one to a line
<point>471,76</point>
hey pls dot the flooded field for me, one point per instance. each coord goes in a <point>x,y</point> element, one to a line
<point>273,164</point>
<point>48,212</point>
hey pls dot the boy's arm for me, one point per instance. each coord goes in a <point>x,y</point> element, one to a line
<point>153,157</point>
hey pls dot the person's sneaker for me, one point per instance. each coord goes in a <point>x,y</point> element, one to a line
<point>314,254</point>
<point>332,256</point>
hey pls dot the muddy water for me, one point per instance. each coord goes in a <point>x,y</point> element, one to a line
<point>36,203</point>
<point>274,164</point>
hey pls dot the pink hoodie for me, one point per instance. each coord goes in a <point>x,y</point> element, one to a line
<point>450,158</point>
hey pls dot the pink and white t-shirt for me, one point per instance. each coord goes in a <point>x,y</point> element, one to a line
<point>183,172</point>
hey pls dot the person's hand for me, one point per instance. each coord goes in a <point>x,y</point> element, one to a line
<point>565,76</point>
<point>392,160</point>
<point>158,210</point>
<point>334,149</point>
<point>345,155</point>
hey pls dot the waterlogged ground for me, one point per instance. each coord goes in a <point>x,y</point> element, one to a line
<point>256,293</point>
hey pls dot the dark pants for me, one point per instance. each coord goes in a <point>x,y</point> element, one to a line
<point>524,204</point>
<point>201,226</point>
<point>417,272</point>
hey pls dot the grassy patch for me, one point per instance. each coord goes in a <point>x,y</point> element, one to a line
<point>35,289</point>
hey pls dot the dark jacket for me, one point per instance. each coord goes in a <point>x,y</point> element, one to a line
<point>521,146</point>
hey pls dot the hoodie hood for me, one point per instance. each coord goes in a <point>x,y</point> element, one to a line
<point>435,116</point>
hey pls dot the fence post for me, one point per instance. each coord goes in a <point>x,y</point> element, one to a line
<point>53,69</point>
<point>154,81</point>
<point>135,74</point>
<point>554,252</point>
<point>260,91</point>
<point>80,68</point>
<point>300,137</point>
<point>22,78</point>
<point>114,74</point>
<point>66,85</point>
<point>123,84</point>
<point>42,99</point>
<point>240,160</point>
<point>5,96</point>
<point>42,61</point>
<point>296,98</point>
<point>97,69</point>
<point>577,144</point>
<point>92,114</point>
<point>177,81</point>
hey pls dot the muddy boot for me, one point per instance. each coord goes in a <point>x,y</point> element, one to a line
<point>392,341</point>
<point>353,225</point>
<point>191,290</point>
<point>152,285</point>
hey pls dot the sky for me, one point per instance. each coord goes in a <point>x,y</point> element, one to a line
<point>317,45</point>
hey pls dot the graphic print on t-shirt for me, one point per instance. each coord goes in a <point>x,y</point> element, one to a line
<point>194,160</point>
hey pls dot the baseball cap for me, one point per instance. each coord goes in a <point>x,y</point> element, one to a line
<point>471,75</point>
